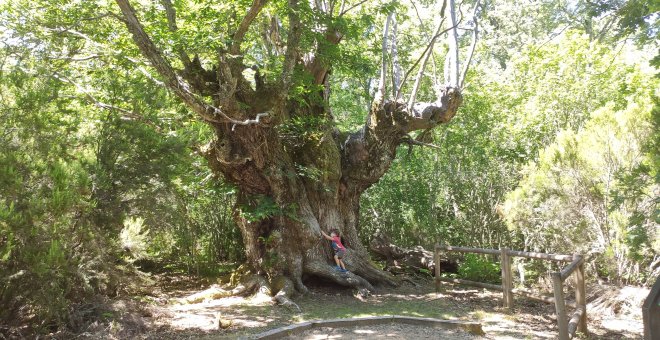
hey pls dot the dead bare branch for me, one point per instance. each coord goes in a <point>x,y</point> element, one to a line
<point>380,94</point>
<point>475,35</point>
<point>420,72</point>
<point>407,74</point>
<point>453,46</point>
<point>396,66</point>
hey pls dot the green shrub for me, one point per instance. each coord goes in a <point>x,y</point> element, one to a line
<point>477,268</point>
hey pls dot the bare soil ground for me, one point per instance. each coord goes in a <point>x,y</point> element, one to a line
<point>161,314</point>
<point>397,331</point>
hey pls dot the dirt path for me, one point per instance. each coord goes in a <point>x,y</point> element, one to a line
<point>237,317</point>
<point>163,315</point>
<point>396,331</point>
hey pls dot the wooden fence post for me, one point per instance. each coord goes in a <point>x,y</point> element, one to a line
<point>507,279</point>
<point>436,259</point>
<point>581,295</point>
<point>560,306</point>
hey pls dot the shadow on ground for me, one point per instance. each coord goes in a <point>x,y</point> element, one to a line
<point>238,317</point>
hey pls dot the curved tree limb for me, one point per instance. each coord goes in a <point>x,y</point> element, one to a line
<point>182,89</point>
<point>243,27</point>
<point>317,67</point>
<point>368,153</point>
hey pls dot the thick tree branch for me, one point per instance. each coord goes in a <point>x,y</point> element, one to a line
<point>368,153</point>
<point>243,27</point>
<point>292,45</point>
<point>317,67</point>
<point>165,70</point>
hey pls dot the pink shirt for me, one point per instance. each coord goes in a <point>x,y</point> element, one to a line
<point>337,240</point>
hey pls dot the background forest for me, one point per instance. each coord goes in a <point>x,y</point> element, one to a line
<point>555,148</point>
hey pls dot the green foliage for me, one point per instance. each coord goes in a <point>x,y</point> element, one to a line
<point>455,194</point>
<point>479,268</point>
<point>134,238</point>
<point>91,147</point>
<point>265,207</point>
<point>576,198</point>
<point>300,130</point>
<point>96,166</point>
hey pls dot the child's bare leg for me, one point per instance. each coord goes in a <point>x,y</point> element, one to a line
<point>341,264</point>
<point>338,262</point>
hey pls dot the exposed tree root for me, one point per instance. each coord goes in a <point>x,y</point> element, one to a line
<point>348,279</point>
<point>282,288</point>
<point>256,285</point>
<point>251,283</point>
<point>285,288</point>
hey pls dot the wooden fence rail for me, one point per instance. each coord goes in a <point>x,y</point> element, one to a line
<point>567,328</point>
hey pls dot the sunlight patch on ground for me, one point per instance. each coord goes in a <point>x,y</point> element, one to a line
<point>188,320</point>
<point>364,331</point>
<point>622,325</point>
<point>408,296</point>
<point>504,328</point>
<point>204,315</point>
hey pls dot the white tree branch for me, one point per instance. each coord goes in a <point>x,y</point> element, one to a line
<point>420,72</point>
<point>380,93</point>
<point>453,46</point>
<point>396,66</point>
<point>475,36</point>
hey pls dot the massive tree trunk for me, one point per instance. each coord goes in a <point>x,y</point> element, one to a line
<point>296,174</point>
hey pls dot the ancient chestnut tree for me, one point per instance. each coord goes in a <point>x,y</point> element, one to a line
<point>265,92</point>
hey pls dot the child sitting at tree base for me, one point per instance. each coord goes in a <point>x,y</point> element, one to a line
<point>339,248</point>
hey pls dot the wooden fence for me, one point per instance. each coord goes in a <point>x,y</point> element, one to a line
<point>567,327</point>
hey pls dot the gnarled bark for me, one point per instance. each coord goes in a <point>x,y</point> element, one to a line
<point>292,185</point>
